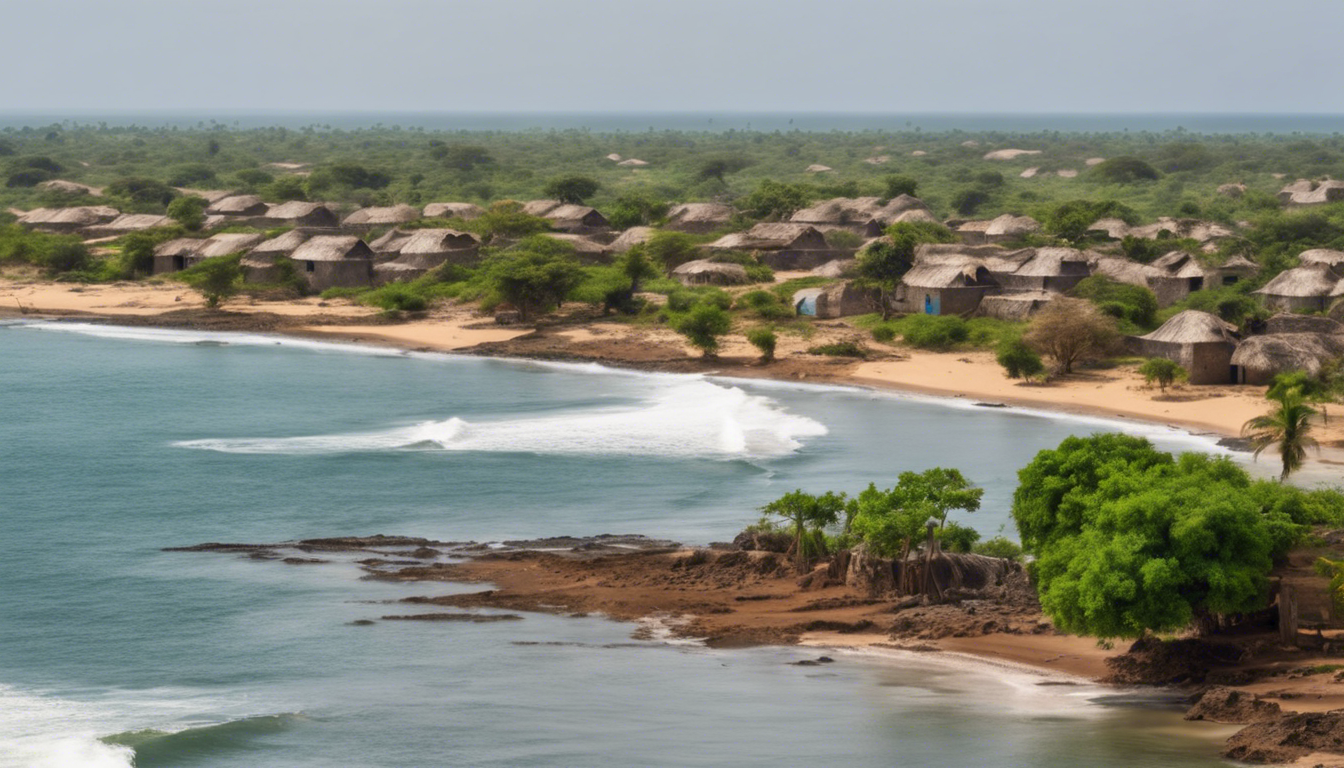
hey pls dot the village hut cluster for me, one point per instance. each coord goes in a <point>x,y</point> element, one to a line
<point>981,275</point>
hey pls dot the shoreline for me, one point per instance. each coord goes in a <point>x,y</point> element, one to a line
<point>1210,412</point>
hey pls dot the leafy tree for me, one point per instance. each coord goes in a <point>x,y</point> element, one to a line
<point>571,189</point>
<point>718,167</point>
<point>535,277</point>
<point>253,178</point>
<point>192,174</point>
<point>775,199</point>
<point>900,185</point>
<point>886,261</point>
<point>1162,371</point>
<point>354,176</point>
<point>69,257</point>
<point>188,211</point>
<point>1072,219</point>
<point>506,219</point>
<point>1125,170</point>
<point>462,157</point>
<point>808,514</point>
<point>1071,330</point>
<point>764,339</point>
<point>967,201</point>
<point>284,189</point>
<point>137,253</point>
<point>1136,303</point>
<point>212,147</point>
<point>216,279</point>
<point>1019,360</point>
<point>671,249</point>
<point>1130,540</point>
<point>636,265</point>
<point>891,521</point>
<point>999,547</point>
<point>636,209</point>
<point>142,193</point>
<point>1287,425</point>
<point>703,325</point>
<point>989,179</point>
<point>955,537</point>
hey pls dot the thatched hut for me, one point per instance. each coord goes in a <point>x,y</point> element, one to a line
<point>1182,275</point>
<point>174,255</point>
<point>1311,288</point>
<point>972,232</point>
<point>568,217</point>
<point>260,265</point>
<point>463,211</point>
<point>705,272</point>
<point>586,249</point>
<point>1000,262</point>
<point>228,243</point>
<point>389,216</point>
<point>127,223</point>
<point>630,238</point>
<point>1203,232</point>
<point>1305,192</point>
<point>1014,307</point>
<point>836,268</point>
<point>67,219</point>
<point>334,261</point>
<point>1010,227</point>
<point>1261,358</point>
<point>296,213</point>
<point>699,218</point>
<point>1053,270</point>
<point>1322,256</point>
<point>943,289</point>
<point>421,250</point>
<point>1232,271</point>
<point>1199,342</point>
<point>238,205</point>
<point>843,299</point>
<point>1125,271</point>
<point>63,187</point>
<point>783,246</point>
<point>867,216</point>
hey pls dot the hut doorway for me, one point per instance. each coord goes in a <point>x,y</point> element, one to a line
<point>931,304</point>
<point>179,263</point>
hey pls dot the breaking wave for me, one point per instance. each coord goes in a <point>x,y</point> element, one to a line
<point>690,419</point>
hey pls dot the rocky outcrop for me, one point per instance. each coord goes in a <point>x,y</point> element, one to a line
<point>1228,705</point>
<point>869,573</point>
<point>1150,661</point>
<point>1288,737</point>
<point>762,541</point>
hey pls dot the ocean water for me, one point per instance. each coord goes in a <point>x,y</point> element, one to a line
<point>115,443</point>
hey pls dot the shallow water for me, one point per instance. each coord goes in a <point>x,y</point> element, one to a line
<point>118,442</point>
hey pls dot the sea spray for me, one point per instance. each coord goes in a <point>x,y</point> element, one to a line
<point>680,419</point>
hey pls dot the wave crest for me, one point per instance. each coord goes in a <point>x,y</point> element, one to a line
<point>686,420</point>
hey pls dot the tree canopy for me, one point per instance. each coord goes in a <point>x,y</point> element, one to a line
<point>536,276</point>
<point>571,189</point>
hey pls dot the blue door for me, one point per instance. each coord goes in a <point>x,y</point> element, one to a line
<point>931,304</point>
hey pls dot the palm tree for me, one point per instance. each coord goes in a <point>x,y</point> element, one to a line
<point>1288,425</point>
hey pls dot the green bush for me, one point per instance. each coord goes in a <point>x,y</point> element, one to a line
<point>999,547</point>
<point>955,537</point>
<point>395,297</point>
<point>936,332</point>
<point>1161,371</point>
<point>765,305</point>
<point>68,257</point>
<point>1134,303</point>
<point>900,185</point>
<point>1019,360</point>
<point>884,334</point>
<point>703,325</point>
<point>764,339</point>
<point>1125,170</point>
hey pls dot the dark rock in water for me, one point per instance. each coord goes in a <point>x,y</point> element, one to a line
<point>763,541</point>
<point>1227,705</point>
<point>303,560</point>
<point>1238,444</point>
<point>475,618</point>
<point>1287,738</point>
<point>825,660</point>
<point>992,405</point>
<point>362,623</point>
<point>807,663</point>
<point>424,553</point>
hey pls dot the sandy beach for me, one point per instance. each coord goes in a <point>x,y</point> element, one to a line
<point>1115,392</point>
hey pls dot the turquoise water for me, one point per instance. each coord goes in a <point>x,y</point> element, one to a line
<point>117,442</point>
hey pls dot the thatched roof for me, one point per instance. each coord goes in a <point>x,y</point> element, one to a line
<point>1179,264</point>
<point>840,210</point>
<point>1009,225</point>
<point>703,270</point>
<point>1239,263</point>
<point>583,246</point>
<point>818,168</point>
<point>377,217</point>
<point>332,248</point>
<point>1305,192</point>
<point>464,211</point>
<point>1017,307</point>
<point>631,237</point>
<point>1010,154</point>
<point>1201,231</point>
<point>1054,262</point>
<point>993,257</point>
<point>296,209</point>
<point>282,244</point>
<point>1286,352</point>
<point>975,226</point>
<point>1125,271</point>
<point>1233,191</point>
<point>238,205</point>
<point>916,214</point>
<point>1322,256</point>
<point>613,157</point>
<point>1305,282</point>
<point>777,236</point>
<point>225,244</point>
<point>81,216</point>
<point>946,276</point>
<point>836,268</point>
<point>1194,327</point>
<point>570,212</point>
<point>182,246</point>
<point>700,213</point>
<point>432,241</point>
<point>69,188</point>
<point>390,241</point>
<point>540,207</point>
<point>130,222</point>
<point>632,162</point>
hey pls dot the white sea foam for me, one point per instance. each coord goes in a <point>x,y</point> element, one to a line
<point>46,732</point>
<point>684,420</point>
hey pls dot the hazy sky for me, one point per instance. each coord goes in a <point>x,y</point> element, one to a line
<point>674,55</point>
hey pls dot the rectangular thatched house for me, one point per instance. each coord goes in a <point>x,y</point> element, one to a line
<point>699,218</point>
<point>464,211</point>
<point>950,289</point>
<point>334,261</point>
<point>365,219</point>
<point>1199,342</point>
<point>783,246</point>
<point>300,214</point>
<point>67,219</point>
<point>418,251</point>
<point>1310,288</point>
<point>1052,270</point>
